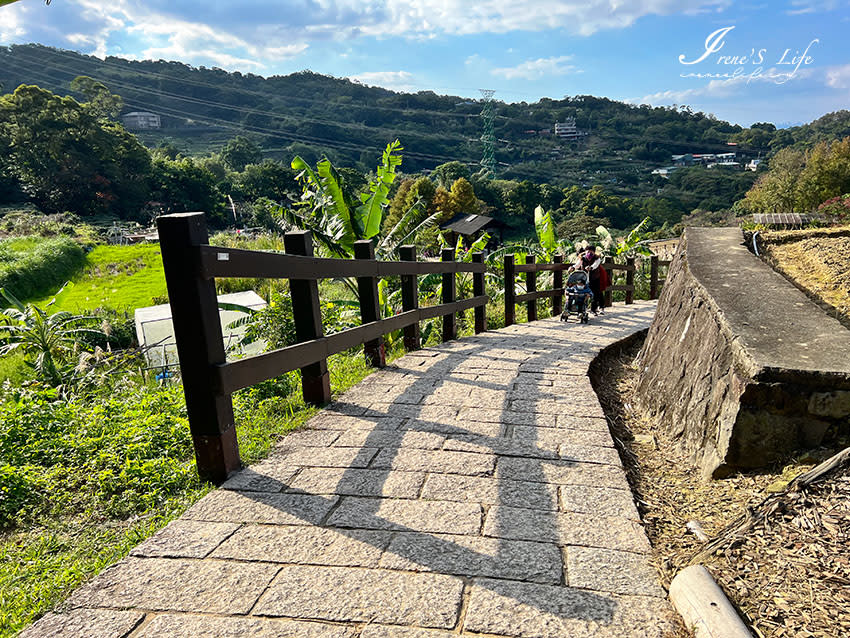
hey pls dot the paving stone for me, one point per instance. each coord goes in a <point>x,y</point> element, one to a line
<point>597,500</point>
<point>389,631</point>
<point>210,586</point>
<point>567,528</point>
<point>228,506</point>
<point>91,623</point>
<point>356,482</point>
<point>436,461</point>
<point>326,456</point>
<point>589,454</point>
<point>191,626</point>
<point>185,539</point>
<point>345,407</point>
<point>474,556</point>
<point>375,421</point>
<point>307,438</point>
<point>500,446</point>
<point>363,595</point>
<point>423,412</point>
<point>390,439</point>
<point>611,571</point>
<point>592,423</point>
<point>552,438</point>
<point>561,472</point>
<point>420,516</point>
<point>455,426</point>
<point>305,545</point>
<point>265,476</point>
<point>506,416</point>
<point>528,610</point>
<point>491,491</point>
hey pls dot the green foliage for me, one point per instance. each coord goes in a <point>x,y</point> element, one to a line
<point>32,267</point>
<point>241,151</point>
<point>800,182</point>
<point>122,278</point>
<point>67,157</point>
<point>185,185</point>
<point>21,222</point>
<point>545,232</point>
<point>332,213</point>
<point>125,453</point>
<point>49,340</point>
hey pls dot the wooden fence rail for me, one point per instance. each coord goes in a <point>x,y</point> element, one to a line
<point>191,266</point>
<point>532,294</point>
<point>655,282</point>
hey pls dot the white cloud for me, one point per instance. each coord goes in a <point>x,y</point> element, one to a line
<point>12,23</point>
<point>725,87</point>
<point>838,77</point>
<point>536,69</point>
<point>393,80</point>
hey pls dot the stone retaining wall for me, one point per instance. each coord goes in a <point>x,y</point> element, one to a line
<point>739,365</point>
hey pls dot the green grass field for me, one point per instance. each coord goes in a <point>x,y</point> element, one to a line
<point>120,277</point>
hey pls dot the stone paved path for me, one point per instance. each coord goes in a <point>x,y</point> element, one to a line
<point>472,488</point>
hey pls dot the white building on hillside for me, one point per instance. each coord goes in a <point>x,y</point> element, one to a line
<point>141,120</point>
<point>567,130</point>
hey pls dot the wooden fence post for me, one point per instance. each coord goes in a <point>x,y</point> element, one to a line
<point>307,315</point>
<point>630,280</point>
<point>370,305</point>
<point>557,283</point>
<point>197,330</point>
<point>477,291</point>
<point>653,277</point>
<point>410,298</point>
<point>510,292</point>
<point>608,294</point>
<point>449,296</point>
<point>531,286</point>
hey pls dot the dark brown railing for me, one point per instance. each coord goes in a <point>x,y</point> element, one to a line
<point>656,282</point>
<point>530,297</point>
<point>191,267</point>
<point>629,288</point>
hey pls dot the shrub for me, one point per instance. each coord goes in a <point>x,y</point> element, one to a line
<point>32,268</point>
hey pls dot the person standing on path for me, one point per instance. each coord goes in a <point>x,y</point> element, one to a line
<point>591,263</point>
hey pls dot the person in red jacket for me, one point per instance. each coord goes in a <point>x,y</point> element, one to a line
<point>591,263</point>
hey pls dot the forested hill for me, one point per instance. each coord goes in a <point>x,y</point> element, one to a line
<point>312,114</point>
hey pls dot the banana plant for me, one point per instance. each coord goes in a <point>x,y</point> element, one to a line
<point>628,246</point>
<point>337,218</point>
<point>51,340</point>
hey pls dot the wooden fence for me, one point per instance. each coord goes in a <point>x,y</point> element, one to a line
<point>191,267</point>
<point>531,295</point>
<point>655,282</point>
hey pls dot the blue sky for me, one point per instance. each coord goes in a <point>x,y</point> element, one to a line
<point>631,50</point>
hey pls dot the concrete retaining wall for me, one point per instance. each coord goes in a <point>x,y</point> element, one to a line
<point>739,365</point>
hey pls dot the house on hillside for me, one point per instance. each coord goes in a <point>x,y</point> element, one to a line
<point>470,226</point>
<point>141,120</point>
<point>567,130</point>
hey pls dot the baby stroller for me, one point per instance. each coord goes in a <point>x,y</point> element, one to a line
<point>578,296</point>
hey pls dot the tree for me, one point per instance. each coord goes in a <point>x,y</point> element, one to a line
<point>826,175</point>
<point>463,198</point>
<point>66,157</point>
<point>447,174</point>
<point>270,178</point>
<point>776,191</point>
<point>241,151</point>
<point>185,185</point>
<point>99,100</point>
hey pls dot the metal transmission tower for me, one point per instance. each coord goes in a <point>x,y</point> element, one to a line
<point>488,138</point>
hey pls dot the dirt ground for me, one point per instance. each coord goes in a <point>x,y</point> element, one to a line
<point>818,261</point>
<point>789,575</point>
